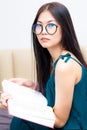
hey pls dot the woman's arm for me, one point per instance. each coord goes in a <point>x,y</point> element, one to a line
<point>66,75</point>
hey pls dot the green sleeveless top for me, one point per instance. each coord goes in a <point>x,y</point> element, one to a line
<point>78,114</point>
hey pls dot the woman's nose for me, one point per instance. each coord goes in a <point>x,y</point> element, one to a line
<point>44,30</point>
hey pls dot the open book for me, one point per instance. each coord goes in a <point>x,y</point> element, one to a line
<point>28,104</point>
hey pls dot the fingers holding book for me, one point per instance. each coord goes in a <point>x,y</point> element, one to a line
<point>4,97</point>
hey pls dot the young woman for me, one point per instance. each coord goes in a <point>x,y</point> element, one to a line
<point>61,69</point>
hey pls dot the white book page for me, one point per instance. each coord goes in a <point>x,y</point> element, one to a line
<point>23,94</point>
<point>28,104</point>
<point>43,116</point>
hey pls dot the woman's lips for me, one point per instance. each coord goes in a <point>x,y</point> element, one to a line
<point>44,39</point>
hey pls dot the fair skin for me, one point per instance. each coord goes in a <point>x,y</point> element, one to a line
<point>66,74</point>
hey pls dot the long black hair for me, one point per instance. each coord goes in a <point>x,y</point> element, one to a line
<point>69,42</point>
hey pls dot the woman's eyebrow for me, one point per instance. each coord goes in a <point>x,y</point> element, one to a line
<point>46,22</point>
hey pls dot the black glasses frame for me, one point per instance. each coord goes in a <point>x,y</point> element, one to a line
<point>33,29</point>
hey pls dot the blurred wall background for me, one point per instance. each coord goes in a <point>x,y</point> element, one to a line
<point>16,17</point>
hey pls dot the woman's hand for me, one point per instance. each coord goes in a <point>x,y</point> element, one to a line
<point>24,82</point>
<point>4,100</point>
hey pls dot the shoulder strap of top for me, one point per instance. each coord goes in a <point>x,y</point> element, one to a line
<point>66,57</point>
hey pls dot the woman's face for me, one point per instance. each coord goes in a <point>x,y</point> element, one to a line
<point>51,33</point>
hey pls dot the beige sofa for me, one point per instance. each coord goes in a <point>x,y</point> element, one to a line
<point>20,63</point>
<point>16,63</point>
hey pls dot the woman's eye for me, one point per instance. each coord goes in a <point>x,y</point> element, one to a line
<point>51,24</point>
<point>38,25</point>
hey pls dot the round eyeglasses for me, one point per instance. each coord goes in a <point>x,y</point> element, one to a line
<point>50,28</point>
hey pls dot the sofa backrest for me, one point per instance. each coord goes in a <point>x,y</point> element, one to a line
<point>21,63</point>
<point>17,63</point>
